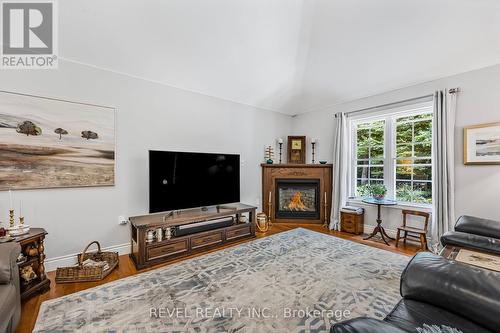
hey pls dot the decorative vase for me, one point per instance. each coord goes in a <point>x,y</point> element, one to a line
<point>269,161</point>
<point>379,196</point>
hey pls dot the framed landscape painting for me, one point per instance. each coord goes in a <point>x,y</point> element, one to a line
<point>46,143</point>
<point>482,144</point>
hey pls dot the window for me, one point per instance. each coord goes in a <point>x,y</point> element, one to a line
<point>370,155</point>
<point>395,149</point>
<point>414,158</point>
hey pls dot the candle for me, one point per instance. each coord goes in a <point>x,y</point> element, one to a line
<point>314,140</point>
<point>20,208</point>
<point>280,140</point>
<point>10,197</point>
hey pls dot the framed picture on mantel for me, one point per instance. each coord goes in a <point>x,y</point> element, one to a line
<point>482,144</point>
<point>296,149</point>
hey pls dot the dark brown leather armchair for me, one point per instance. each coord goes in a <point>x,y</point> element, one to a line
<point>10,296</point>
<point>438,292</point>
<point>474,233</point>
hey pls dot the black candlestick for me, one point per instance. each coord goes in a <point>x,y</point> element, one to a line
<point>281,145</point>
<point>313,144</point>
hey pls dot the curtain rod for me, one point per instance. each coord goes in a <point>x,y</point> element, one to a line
<point>389,104</point>
<point>451,91</point>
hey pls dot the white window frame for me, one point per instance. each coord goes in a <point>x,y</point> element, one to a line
<point>390,116</point>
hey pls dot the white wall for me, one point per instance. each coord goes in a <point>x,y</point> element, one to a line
<point>153,116</point>
<point>477,187</point>
<point>148,116</point>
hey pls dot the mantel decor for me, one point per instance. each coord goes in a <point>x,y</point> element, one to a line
<point>314,141</point>
<point>482,144</point>
<point>48,143</point>
<point>296,149</point>
<point>280,143</point>
<point>269,154</point>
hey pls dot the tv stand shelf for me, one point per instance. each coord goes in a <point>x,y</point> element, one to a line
<point>148,251</point>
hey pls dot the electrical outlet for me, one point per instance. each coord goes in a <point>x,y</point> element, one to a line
<point>122,220</point>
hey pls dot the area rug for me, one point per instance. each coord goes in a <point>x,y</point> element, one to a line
<point>294,281</point>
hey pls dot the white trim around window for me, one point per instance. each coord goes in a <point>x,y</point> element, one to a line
<point>389,157</point>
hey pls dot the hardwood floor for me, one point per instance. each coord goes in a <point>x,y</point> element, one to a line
<point>126,268</point>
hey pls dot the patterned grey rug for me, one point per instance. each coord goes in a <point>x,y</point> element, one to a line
<point>294,281</point>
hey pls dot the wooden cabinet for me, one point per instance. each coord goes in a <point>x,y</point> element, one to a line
<point>146,253</point>
<point>33,249</point>
<point>352,223</point>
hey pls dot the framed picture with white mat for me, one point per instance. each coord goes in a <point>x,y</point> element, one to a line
<point>482,144</point>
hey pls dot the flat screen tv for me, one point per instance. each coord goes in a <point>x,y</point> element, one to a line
<point>179,180</point>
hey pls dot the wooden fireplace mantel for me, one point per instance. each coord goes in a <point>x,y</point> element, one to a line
<point>300,166</point>
<point>272,172</point>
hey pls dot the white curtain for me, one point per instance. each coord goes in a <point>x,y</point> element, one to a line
<point>444,163</point>
<point>340,167</point>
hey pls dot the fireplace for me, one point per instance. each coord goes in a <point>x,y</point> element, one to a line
<point>304,190</point>
<point>297,199</point>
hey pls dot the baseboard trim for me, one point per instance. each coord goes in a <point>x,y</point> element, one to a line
<point>71,259</point>
<point>392,233</point>
<point>369,228</point>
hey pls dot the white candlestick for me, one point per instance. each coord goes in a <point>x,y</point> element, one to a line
<point>280,140</point>
<point>20,208</point>
<point>314,140</point>
<point>10,197</point>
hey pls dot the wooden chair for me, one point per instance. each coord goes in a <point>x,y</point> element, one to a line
<point>413,232</point>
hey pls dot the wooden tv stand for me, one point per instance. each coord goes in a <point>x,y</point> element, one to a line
<point>148,252</point>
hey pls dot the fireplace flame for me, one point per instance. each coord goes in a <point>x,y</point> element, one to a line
<point>296,202</point>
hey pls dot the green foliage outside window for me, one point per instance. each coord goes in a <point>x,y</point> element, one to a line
<point>413,164</point>
<point>363,190</point>
<point>407,193</point>
<point>370,155</point>
<point>413,158</point>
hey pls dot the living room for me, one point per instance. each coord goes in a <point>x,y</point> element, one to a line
<point>367,110</point>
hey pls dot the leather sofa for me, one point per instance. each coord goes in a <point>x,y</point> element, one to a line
<point>10,297</point>
<point>474,233</point>
<point>440,292</point>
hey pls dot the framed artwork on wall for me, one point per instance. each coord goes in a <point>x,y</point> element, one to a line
<point>47,143</point>
<point>296,149</point>
<point>482,144</point>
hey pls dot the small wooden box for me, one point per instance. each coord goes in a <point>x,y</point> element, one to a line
<point>352,223</point>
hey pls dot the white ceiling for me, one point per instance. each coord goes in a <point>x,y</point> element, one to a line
<point>290,56</point>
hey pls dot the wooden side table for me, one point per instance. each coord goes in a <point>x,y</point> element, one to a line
<point>34,239</point>
<point>379,228</point>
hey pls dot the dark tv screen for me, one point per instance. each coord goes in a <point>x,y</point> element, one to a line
<point>179,180</point>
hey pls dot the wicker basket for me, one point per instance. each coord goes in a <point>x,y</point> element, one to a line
<point>88,274</point>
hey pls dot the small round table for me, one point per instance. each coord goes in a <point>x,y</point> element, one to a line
<point>379,228</point>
